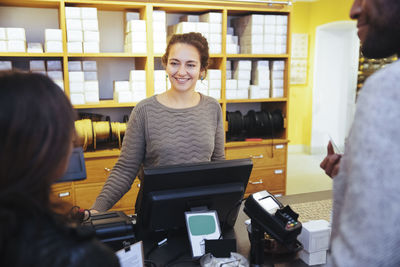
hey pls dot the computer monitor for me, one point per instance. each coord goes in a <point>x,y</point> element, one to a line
<point>76,167</point>
<point>169,191</point>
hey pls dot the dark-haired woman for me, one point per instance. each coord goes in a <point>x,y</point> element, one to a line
<point>36,135</point>
<point>178,126</point>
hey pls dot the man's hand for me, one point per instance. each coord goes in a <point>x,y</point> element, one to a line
<point>331,162</point>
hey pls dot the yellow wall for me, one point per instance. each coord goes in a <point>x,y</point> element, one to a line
<point>306,17</point>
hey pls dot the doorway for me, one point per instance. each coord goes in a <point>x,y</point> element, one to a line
<point>335,82</point>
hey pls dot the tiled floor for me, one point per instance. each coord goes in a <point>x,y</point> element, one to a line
<point>304,174</point>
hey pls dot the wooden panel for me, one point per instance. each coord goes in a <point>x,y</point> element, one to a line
<point>98,170</point>
<point>62,193</point>
<point>85,196</point>
<point>262,155</point>
<point>272,179</point>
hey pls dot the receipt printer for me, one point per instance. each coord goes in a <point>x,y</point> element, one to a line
<point>279,221</point>
<point>113,228</point>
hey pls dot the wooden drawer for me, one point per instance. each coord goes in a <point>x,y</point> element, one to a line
<point>98,169</point>
<point>62,193</point>
<point>261,155</point>
<point>271,179</point>
<point>86,195</point>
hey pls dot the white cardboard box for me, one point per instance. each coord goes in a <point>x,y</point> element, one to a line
<point>89,65</point>
<point>90,75</point>
<point>90,25</point>
<point>242,74</point>
<point>16,34</point>
<point>242,93</point>
<point>75,65</point>
<point>214,17</point>
<point>231,84</point>
<point>74,35</point>
<point>313,258</point>
<point>5,65</point>
<point>91,47</point>
<point>16,46</point>
<point>123,96</point>
<point>34,48</point>
<point>77,98</point>
<point>76,87</point>
<point>55,75</point>
<point>91,36</point>
<point>53,65</point>
<point>92,96</point>
<point>215,93</point>
<point>242,65</point>
<point>136,26</point>
<point>91,86</point>
<point>76,76</point>
<point>53,47</point>
<point>121,86</point>
<point>315,235</point>
<point>74,47</point>
<point>74,24</point>
<point>137,75</point>
<point>52,35</point>
<point>3,46</point>
<point>89,13</point>
<point>37,65</point>
<point>138,86</point>
<point>3,35</point>
<point>72,12</point>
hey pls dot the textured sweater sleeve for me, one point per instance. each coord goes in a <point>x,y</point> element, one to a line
<point>219,152</point>
<point>125,170</point>
<point>366,190</point>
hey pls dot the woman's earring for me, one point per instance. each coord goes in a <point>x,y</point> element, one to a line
<point>166,76</point>
<point>201,78</point>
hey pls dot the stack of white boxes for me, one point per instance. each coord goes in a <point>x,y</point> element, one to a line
<point>36,47</point>
<point>315,237</point>
<point>250,31</point>
<point>275,34</point>
<point>82,30</point>
<point>214,83</point>
<point>202,87</point>
<point>137,80</point>
<point>37,66</point>
<point>159,31</point>
<point>260,87</point>
<point>53,41</point>
<point>54,71</point>
<point>135,34</point>
<point>214,20</point>
<point>160,81</point>
<point>12,40</point>
<point>278,72</point>
<point>83,83</point>
<point>122,92</point>
<point>230,84</point>
<point>232,42</point>
<point>242,73</point>
<point>190,23</point>
<point>5,65</point>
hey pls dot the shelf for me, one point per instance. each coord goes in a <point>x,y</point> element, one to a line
<point>106,55</point>
<point>15,54</point>
<point>256,100</point>
<point>102,153</point>
<point>31,3</point>
<point>283,56</point>
<point>106,104</point>
<point>262,142</point>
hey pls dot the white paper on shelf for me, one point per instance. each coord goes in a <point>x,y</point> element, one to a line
<point>92,96</point>
<point>231,84</point>
<point>3,46</point>
<point>159,15</point>
<point>89,65</point>
<point>16,34</point>
<point>76,76</point>
<point>52,35</point>
<point>76,87</point>
<point>75,65</point>
<point>72,12</point>
<point>89,13</point>
<point>74,24</point>
<point>90,75</point>
<point>90,25</point>
<point>91,47</point>
<point>34,48</point>
<point>16,46</point>
<point>77,98</point>
<point>92,86</point>
<point>74,47</point>
<point>121,86</point>
<point>91,36</point>
<point>74,35</point>
<point>53,65</point>
<point>3,35</point>
<point>37,65</point>
<point>53,47</point>
<point>132,16</point>
<point>55,74</point>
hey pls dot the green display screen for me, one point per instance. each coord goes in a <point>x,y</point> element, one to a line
<point>202,225</point>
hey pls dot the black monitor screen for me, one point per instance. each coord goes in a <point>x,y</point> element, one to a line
<point>169,191</point>
<point>76,167</point>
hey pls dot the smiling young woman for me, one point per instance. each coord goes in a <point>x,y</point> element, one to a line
<point>178,126</point>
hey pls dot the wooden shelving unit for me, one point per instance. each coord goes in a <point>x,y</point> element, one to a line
<point>146,61</point>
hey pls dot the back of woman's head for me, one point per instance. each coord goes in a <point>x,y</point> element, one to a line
<point>36,130</point>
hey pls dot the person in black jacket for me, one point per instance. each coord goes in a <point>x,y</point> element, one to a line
<point>36,139</point>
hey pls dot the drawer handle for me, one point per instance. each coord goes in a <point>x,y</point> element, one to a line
<point>64,194</point>
<point>259,182</point>
<point>278,171</point>
<point>257,157</point>
<point>107,169</point>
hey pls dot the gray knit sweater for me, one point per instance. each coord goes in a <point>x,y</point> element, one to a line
<point>366,210</point>
<point>157,135</point>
